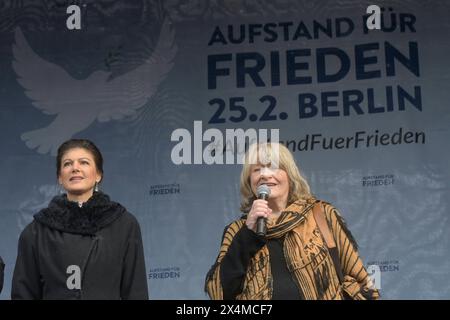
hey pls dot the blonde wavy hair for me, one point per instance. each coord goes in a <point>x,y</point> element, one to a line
<point>278,156</point>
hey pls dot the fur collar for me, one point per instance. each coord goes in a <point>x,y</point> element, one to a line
<point>95,214</point>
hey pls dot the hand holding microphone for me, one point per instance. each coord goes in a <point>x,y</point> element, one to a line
<point>256,219</point>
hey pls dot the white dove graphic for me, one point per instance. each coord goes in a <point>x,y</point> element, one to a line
<point>78,103</point>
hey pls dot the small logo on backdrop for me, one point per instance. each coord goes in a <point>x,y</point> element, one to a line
<point>74,279</point>
<point>378,180</point>
<point>375,269</point>
<point>78,103</point>
<point>164,273</point>
<point>163,189</point>
<point>387,266</point>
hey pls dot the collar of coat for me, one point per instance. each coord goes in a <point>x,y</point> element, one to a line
<point>65,215</point>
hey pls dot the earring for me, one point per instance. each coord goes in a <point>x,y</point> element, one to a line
<point>96,186</point>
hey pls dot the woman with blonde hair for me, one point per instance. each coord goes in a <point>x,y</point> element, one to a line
<point>307,251</point>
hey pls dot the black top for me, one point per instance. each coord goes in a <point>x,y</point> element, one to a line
<point>337,264</point>
<point>284,287</point>
<point>244,246</point>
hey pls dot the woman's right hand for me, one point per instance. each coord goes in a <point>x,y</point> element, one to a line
<point>260,208</point>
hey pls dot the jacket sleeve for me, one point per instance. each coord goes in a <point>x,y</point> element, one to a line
<point>357,283</point>
<point>134,280</point>
<point>226,278</point>
<point>2,269</point>
<point>26,283</point>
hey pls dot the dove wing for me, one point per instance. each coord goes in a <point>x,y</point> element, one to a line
<point>45,83</point>
<point>132,90</point>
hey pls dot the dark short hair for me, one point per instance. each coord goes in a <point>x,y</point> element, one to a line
<point>79,143</point>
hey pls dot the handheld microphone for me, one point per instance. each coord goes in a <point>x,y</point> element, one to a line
<point>263,192</point>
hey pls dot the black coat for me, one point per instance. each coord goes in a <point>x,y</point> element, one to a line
<point>2,269</point>
<point>101,240</point>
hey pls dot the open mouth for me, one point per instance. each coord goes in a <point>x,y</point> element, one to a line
<point>76,179</point>
<point>269,184</point>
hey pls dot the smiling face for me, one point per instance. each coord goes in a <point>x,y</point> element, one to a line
<point>296,187</point>
<point>276,179</point>
<point>78,174</point>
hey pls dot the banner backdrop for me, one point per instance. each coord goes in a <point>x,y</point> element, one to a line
<point>365,112</point>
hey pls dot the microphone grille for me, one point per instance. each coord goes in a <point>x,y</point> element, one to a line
<point>263,189</point>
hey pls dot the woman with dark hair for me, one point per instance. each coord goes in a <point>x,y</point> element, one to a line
<point>307,251</point>
<point>83,245</point>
